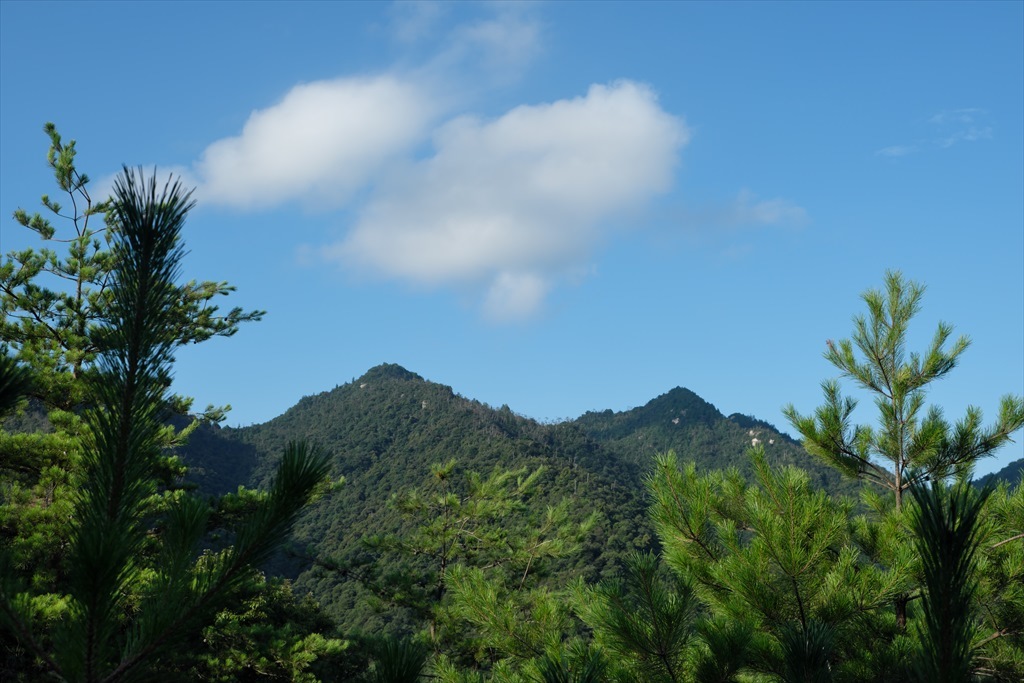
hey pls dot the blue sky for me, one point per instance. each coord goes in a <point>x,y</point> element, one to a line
<point>560,207</point>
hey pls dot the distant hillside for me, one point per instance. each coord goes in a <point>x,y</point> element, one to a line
<point>218,464</point>
<point>1011,474</point>
<point>386,428</point>
<point>682,421</point>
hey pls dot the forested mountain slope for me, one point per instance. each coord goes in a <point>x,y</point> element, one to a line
<point>385,429</point>
<point>383,432</point>
<point>1011,474</point>
<point>683,422</point>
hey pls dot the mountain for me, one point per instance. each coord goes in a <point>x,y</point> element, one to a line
<point>1011,474</point>
<point>386,428</point>
<point>383,432</point>
<point>682,421</point>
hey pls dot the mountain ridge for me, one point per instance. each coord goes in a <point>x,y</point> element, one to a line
<point>384,429</point>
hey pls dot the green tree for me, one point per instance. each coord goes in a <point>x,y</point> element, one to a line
<point>999,597</point>
<point>778,560</point>
<point>791,585</point>
<point>15,383</point>
<point>52,304</point>
<point>137,586</point>
<point>647,621</point>
<point>947,524</point>
<point>468,563</point>
<point>395,660</point>
<point>54,308</point>
<point>580,665</point>
<point>910,443</point>
<point>267,633</point>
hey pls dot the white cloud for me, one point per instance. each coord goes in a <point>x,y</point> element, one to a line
<point>506,209</point>
<point>895,151</point>
<point>514,296</point>
<point>517,202</point>
<point>956,116</point>
<point>492,49</point>
<point>322,142</point>
<point>969,134</point>
<point>946,128</point>
<point>747,211</point>
<point>961,125</point>
<point>508,41</point>
<point>326,140</point>
<point>414,21</point>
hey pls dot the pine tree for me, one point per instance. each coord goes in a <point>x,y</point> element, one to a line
<point>778,569</point>
<point>54,308</point>
<point>51,328</point>
<point>133,590</point>
<point>792,586</point>
<point>579,664</point>
<point>911,444</point>
<point>947,525</point>
<point>647,621</point>
<point>999,596</point>
<point>395,660</point>
<point>15,383</point>
<point>466,566</point>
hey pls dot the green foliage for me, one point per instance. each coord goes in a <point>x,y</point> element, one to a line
<point>395,660</point>
<point>124,431</point>
<point>468,568</point>
<point>134,590</point>
<point>52,329</point>
<point>682,422</point>
<point>947,525</point>
<point>385,429</point>
<point>511,629</point>
<point>725,649</point>
<point>579,665</point>
<point>15,383</point>
<point>49,328</point>
<point>56,310</point>
<point>1001,585</point>
<point>389,425</point>
<point>911,444</point>
<point>909,439</point>
<point>765,575</point>
<point>645,621</point>
<point>806,652</point>
<point>268,633</point>
<point>777,559</point>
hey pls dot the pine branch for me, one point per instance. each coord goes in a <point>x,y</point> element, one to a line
<point>1008,540</point>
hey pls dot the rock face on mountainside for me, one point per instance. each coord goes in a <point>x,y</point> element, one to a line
<point>384,430</point>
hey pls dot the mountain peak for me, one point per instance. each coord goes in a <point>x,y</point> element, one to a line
<point>681,401</point>
<point>390,371</point>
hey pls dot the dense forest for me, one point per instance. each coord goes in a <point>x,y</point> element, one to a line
<point>393,530</point>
